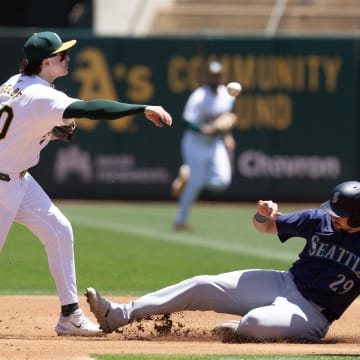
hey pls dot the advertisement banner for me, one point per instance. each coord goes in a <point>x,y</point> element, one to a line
<point>296,133</point>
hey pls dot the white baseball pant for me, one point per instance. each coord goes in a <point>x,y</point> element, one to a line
<point>209,165</point>
<point>23,200</point>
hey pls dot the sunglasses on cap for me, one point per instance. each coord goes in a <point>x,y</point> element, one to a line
<point>62,54</point>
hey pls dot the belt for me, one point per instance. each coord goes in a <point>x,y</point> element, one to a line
<point>6,177</point>
<point>328,316</point>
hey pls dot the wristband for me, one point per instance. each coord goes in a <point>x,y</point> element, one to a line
<point>260,218</point>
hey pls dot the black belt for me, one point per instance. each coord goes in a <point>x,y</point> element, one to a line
<point>6,177</point>
<point>328,316</point>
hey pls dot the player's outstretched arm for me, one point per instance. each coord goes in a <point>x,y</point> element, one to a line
<point>104,109</point>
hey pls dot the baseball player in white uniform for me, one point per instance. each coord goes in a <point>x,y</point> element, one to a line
<point>299,303</point>
<point>30,107</point>
<point>205,155</point>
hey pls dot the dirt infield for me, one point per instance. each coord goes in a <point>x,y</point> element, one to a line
<point>27,332</point>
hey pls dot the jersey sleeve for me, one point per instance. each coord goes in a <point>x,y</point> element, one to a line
<point>52,106</point>
<point>102,109</point>
<point>192,110</point>
<point>297,224</point>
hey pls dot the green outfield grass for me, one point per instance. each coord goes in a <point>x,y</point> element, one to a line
<point>130,248</point>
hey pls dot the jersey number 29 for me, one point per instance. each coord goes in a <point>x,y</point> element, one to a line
<point>341,286</point>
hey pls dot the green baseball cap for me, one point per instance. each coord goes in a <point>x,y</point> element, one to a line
<point>44,44</point>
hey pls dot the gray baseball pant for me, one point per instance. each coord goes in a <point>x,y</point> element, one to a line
<point>269,302</point>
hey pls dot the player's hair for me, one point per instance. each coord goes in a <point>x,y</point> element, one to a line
<point>30,68</point>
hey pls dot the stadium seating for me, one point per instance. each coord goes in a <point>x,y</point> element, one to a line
<point>253,16</point>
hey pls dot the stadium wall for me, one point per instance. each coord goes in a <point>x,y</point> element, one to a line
<point>298,115</point>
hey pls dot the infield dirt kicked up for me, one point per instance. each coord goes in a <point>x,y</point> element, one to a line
<point>27,332</point>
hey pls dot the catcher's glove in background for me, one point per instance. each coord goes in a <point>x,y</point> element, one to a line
<point>223,123</point>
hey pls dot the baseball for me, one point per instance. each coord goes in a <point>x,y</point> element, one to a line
<point>233,88</point>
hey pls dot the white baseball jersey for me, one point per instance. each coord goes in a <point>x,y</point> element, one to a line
<point>203,105</point>
<point>29,108</point>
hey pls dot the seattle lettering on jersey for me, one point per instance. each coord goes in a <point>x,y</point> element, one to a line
<point>336,253</point>
<point>8,89</point>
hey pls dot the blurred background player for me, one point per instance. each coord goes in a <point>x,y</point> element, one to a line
<point>205,153</point>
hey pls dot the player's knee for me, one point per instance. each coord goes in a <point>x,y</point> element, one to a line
<point>250,323</point>
<point>66,229</point>
<point>55,227</point>
<point>256,325</point>
<point>63,231</point>
<point>200,293</point>
<point>195,282</point>
<point>201,280</point>
<point>252,326</point>
<point>202,283</point>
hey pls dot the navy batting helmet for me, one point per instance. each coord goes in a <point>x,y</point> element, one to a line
<point>345,202</point>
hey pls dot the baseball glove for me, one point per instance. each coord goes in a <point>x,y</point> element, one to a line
<point>223,123</point>
<point>65,132</point>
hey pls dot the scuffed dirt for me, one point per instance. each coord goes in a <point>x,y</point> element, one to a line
<point>27,332</point>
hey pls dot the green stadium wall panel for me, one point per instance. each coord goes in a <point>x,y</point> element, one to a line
<point>298,115</point>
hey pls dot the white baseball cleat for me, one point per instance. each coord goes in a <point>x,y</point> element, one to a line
<point>227,330</point>
<point>228,325</point>
<point>76,324</point>
<point>179,183</point>
<point>102,310</point>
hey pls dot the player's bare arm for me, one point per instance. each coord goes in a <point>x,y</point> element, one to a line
<point>158,115</point>
<point>265,217</point>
